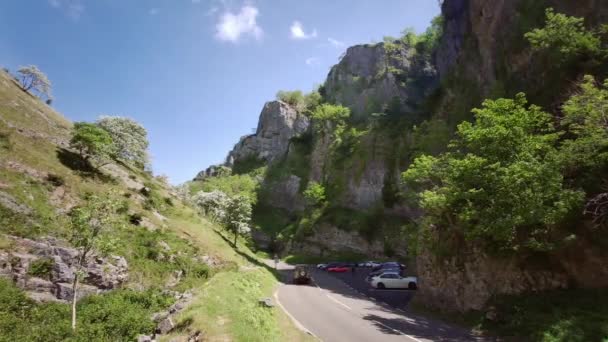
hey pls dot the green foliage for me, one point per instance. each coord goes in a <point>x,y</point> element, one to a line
<point>118,316</point>
<point>409,36</point>
<point>586,121</point>
<point>41,268</point>
<point>303,103</point>
<point>330,113</point>
<point>572,315</point>
<point>314,194</point>
<point>294,98</point>
<point>431,137</point>
<point>130,139</point>
<point>91,141</point>
<point>92,223</point>
<point>564,35</point>
<point>427,42</point>
<point>235,185</point>
<point>501,185</point>
<point>245,165</point>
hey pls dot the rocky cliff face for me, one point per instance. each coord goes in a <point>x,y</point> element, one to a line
<point>369,77</point>
<point>278,123</point>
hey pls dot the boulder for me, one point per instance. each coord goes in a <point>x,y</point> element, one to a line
<point>165,326</point>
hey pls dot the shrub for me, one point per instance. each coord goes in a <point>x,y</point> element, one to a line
<point>314,194</point>
<point>41,268</point>
<point>91,141</point>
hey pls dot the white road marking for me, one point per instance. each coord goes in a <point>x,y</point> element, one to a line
<point>339,302</point>
<point>293,319</point>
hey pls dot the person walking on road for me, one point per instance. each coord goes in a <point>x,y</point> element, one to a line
<point>276,261</point>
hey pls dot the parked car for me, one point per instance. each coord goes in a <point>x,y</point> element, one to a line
<point>321,266</point>
<point>301,275</point>
<point>330,264</point>
<point>368,264</point>
<point>340,268</point>
<point>393,280</point>
<point>387,265</point>
<point>373,274</point>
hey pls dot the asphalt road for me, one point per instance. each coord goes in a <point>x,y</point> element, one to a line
<point>333,310</point>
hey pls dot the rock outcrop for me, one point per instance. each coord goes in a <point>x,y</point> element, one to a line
<point>278,124</point>
<point>54,275</point>
<point>371,76</point>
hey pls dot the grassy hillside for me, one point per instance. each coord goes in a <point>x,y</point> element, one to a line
<point>41,179</point>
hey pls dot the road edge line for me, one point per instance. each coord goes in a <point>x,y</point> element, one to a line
<point>293,319</point>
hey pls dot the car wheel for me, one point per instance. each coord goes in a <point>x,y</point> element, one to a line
<point>412,285</point>
<point>380,286</point>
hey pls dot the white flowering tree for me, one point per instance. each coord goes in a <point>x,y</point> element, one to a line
<point>238,216</point>
<point>130,139</point>
<point>31,78</point>
<point>213,204</point>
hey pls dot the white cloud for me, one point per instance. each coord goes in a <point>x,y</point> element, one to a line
<point>312,61</point>
<point>335,42</point>
<point>232,26</point>
<point>297,31</point>
<point>72,8</point>
<point>153,11</point>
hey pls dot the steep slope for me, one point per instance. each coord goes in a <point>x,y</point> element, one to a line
<point>159,262</point>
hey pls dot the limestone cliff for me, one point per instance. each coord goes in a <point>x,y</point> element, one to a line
<point>278,123</point>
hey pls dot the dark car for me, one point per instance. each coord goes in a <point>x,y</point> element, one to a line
<point>301,275</point>
<point>386,265</point>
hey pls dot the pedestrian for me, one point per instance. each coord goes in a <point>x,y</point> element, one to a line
<point>353,269</point>
<point>276,261</point>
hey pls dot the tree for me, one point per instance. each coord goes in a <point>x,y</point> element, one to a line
<point>33,78</point>
<point>91,141</point>
<point>90,225</point>
<point>501,184</point>
<point>564,35</point>
<point>238,216</point>
<point>314,194</point>
<point>213,204</point>
<point>130,138</point>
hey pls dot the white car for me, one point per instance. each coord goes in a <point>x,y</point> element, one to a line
<point>321,266</point>
<point>392,280</point>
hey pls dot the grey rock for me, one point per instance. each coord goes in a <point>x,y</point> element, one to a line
<point>159,316</point>
<point>101,274</point>
<point>278,123</point>
<point>370,76</point>
<point>165,326</point>
<point>144,338</point>
<point>12,204</point>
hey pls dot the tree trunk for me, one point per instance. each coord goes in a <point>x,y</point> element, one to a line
<point>74,298</point>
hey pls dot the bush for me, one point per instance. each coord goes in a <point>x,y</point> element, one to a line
<point>120,315</point>
<point>315,194</point>
<point>41,268</point>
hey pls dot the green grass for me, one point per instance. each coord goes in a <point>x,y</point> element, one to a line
<point>227,307</point>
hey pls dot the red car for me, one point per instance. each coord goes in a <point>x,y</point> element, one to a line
<point>340,268</point>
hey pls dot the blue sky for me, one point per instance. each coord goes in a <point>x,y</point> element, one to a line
<point>195,73</point>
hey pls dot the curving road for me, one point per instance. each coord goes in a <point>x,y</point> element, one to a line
<point>333,311</point>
